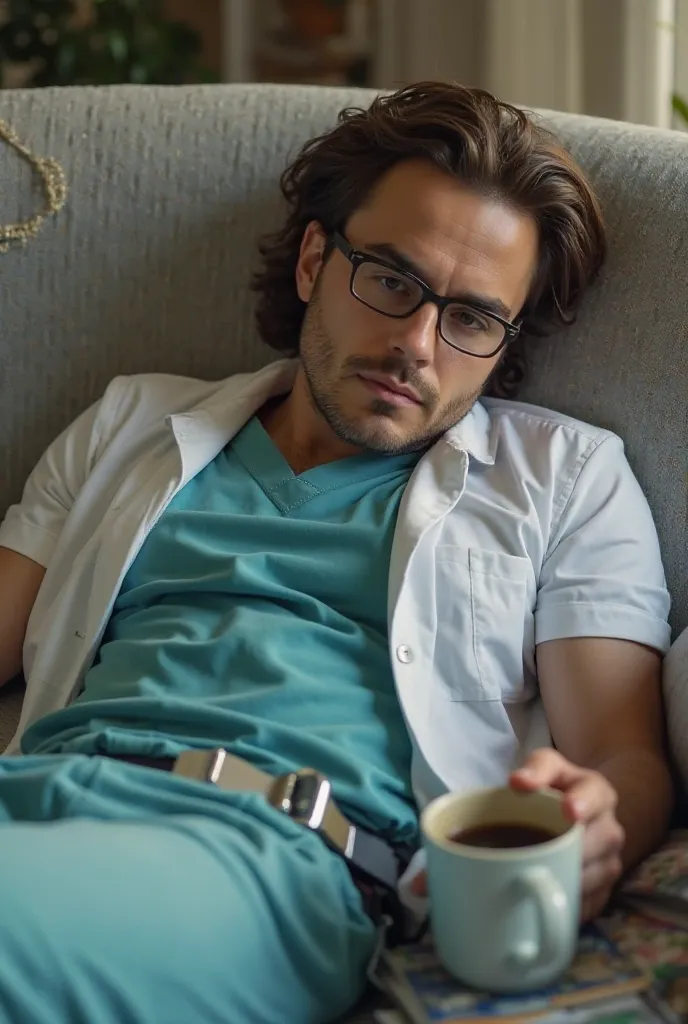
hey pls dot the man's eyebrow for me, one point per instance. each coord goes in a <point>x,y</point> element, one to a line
<point>389,252</point>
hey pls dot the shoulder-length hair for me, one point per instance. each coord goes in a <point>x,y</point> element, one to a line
<point>491,147</point>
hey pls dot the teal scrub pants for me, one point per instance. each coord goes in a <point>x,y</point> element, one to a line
<point>131,896</point>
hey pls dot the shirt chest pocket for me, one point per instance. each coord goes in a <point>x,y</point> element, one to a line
<point>482,615</point>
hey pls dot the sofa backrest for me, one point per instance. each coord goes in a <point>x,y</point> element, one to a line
<point>147,268</point>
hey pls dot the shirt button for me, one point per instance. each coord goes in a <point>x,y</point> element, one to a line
<point>404,653</point>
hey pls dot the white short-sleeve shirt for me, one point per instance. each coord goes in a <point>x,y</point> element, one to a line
<point>518,526</point>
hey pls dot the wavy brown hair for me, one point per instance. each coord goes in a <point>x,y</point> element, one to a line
<point>492,147</point>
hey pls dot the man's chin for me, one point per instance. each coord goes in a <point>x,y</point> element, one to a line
<point>373,424</point>
<point>381,433</point>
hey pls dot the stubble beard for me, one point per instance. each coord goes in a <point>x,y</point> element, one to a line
<point>319,360</point>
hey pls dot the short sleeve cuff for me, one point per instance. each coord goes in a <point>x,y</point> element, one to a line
<point>564,621</point>
<point>27,539</point>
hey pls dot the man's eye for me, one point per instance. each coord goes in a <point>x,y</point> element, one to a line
<point>392,284</point>
<point>466,318</point>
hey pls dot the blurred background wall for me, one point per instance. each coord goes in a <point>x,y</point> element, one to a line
<point>623,59</point>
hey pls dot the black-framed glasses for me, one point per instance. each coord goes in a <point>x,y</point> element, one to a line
<point>397,293</point>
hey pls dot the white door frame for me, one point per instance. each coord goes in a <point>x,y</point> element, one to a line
<point>237,40</point>
<point>649,42</point>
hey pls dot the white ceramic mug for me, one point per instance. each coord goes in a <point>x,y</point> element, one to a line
<point>504,920</point>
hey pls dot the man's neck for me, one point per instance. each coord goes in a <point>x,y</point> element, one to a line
<point>300,433</point>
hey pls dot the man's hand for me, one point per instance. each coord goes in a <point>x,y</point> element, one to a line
<point>590,799</point>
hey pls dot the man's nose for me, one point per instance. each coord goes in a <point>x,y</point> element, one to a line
<point>416,336</point>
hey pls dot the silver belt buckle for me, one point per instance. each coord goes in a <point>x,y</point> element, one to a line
<point>303,795</point>
<point>306,796</point>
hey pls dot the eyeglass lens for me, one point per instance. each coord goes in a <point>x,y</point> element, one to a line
<point>395,294</point>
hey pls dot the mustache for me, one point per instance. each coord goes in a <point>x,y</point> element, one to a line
<point>393,366</point>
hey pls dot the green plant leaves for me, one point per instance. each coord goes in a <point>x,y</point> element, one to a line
<point>123,41</point>
<point>680,106</point>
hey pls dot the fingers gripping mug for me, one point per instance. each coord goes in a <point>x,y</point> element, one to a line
<point>504,877</point>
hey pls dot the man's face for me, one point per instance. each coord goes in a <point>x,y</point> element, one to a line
<point>461,245</point>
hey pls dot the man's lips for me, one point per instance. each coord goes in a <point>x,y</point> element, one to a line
<point>390,389</point>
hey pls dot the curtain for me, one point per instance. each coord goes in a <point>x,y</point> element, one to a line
<point>609,58</point>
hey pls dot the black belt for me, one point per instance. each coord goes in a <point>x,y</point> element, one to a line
<point>306,797</point>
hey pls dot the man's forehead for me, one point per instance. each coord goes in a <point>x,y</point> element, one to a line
<point>416,201</point>
<point>418,188</point>
<point>439,250</point>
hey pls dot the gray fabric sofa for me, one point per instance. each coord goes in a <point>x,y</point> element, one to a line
<point>147,269</point>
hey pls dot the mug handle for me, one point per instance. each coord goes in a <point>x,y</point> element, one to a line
<point>552,908</point>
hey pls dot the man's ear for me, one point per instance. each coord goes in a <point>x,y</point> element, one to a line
<point>506,375</point>
<point>311,258</point>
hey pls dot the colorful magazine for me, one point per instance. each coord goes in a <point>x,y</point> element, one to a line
<point>659,887</point>
<point>661,949</point>
<point>415,978</point>
<point>630,1010</point>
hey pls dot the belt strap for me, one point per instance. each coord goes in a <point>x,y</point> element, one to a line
<point>305,796</point>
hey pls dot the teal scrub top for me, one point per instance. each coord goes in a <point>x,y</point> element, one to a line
<point>255,618</point>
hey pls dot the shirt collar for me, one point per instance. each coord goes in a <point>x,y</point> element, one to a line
<point>474,435</point>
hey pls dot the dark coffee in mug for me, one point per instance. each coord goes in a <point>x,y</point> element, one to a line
<point>506,835</point>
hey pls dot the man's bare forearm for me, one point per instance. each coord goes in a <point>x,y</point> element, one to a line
<point>643,783</point>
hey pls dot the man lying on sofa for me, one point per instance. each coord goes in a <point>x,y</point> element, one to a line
<point>345,562</point>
